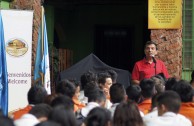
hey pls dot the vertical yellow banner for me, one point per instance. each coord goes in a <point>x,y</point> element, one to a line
<point>164,14</point>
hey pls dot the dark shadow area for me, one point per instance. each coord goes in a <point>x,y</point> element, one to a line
<point>114,30</point>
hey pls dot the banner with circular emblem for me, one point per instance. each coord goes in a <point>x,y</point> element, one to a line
<point>18,44</point>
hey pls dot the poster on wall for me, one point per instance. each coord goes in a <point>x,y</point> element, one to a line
<point>164,14</point>
<point>18,44</point>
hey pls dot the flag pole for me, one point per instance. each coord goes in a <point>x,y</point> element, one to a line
<point>3,72</point>
<point>42,36</point>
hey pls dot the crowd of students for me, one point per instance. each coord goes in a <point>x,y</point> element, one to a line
<point>99,100</point>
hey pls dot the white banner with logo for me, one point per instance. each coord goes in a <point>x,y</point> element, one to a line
<point>18,43</point>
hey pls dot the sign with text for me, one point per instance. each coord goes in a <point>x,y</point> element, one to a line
<point>164,14</point>
<point>18,44</point>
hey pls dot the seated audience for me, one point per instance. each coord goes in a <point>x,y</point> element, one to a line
<point>77,103</point>
<point>147,91</point>
<point>127,114</point>
<point>67,88</point>
<point>105,82</point>
<point>63,116</point>
<point>134,93</point>
<point>87,77</point>
<point>169,103</point>
<point>89,87</point>
<point>41,111</point>
<point>113,75</point>
<point>170,83</point>
<point>64,101</point>
<point>49,98</point>
<point>36,95</point>
<point>185,91</point>
<point>154,110</point>
<point>98,117</point>
<point>96,98</point>
<point>117,95</point>
<point>159,83</point>
<point>37,114</point>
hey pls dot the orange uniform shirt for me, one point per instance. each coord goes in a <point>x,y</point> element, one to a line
<point>20,112</point>
<point>77,104</point>
<point>145,106</point>
<point>187,109</point>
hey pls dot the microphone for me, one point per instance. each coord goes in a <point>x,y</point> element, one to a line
<point>154,60</point>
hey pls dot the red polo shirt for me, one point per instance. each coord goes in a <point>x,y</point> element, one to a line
<point>144,69</point>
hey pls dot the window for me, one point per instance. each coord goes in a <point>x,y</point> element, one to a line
<point>188,35</point>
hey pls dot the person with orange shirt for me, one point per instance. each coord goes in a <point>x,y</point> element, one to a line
<point>67,87</point>
<point>77,103</point>
<point>184,89</point>
<point>36,95</point>
<point>168,105</point>
<point>147,91</point>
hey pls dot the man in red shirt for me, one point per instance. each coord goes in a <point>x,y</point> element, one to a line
<point>149,66</point>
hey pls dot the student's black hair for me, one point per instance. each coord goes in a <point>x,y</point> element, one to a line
<point>159,83</point>
<point>147,88</point>
<point>171,100</point>
<point>89,87</point>
<point>75,82</point>
<point>102,77</point>
<point>134,93</point>
<point>117,93</point>
<point>127,114</point>
<point>64,101</point>
<point>170,83</point>
<point>113,75</point>
<point>155,100</point>
<point>98,117</point>
<point>184,89</point>
<point>96,95</point>
<point>36,94</point>
<point>41,110</point>
<point>64,116</point>
<point>66,87</point>
<point>87,77</point>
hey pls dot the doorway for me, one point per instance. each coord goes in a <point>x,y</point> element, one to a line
<point>114,45</point>
<point>106,28</point>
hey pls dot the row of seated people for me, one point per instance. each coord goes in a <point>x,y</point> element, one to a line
<point>104,97</point>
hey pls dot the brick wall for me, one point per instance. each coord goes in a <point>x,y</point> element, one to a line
<point>169,49</point>
<point>34,5</point>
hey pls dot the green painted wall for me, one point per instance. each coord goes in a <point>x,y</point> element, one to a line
<point>49,12</point>
<point>78,24</point>
<point>4,5</point>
